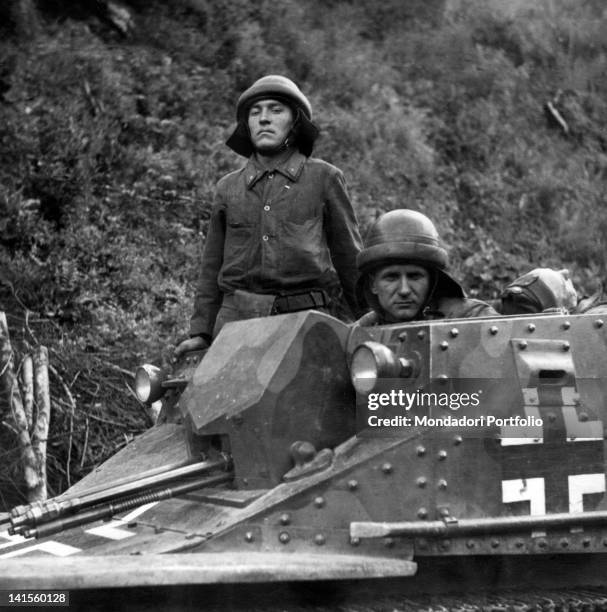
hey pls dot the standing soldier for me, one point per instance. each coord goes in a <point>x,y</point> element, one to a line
<point>283,235</point>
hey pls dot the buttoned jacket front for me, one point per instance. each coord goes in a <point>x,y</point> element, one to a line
<point>278,231</point>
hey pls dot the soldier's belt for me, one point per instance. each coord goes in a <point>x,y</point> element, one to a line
<point>300,301</point>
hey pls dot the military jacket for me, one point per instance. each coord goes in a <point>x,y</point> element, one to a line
<point>441,308</point>
<point>278,231</point>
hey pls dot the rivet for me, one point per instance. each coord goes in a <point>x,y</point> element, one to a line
<point>542,543</point>
<point>552,417</point>
<point>422,513</point>
<point>493,330</point>
<point>454,332</point>
<point>442,485</point>
<point>519,543</point>
<point>444,512</point>
<point>284,537</point>
<point>605,542</point>
<point>564,542</point>
<point>531,327</point>
<point>421,334</point>
<point>522,345</point>
<point>442,455</point>
<point>388,542</point>
<point>285,519</point>
<point>599,323</point>
<point>566,346</point>
<point>566,325</point>
<point>457,440</point>
<point>319,539</point>
<point>495,543</point>
<point>319,502</point>
<point>352,485</point>
<point>421,451</point>
<point>470,544</point>
<point>402,336</point>
<point>248,537</point>
<point>354,541</point>
<point>444,345</point>
<point>387,468</point>
<point>586,542</point>
<point>421,482</point>
<point>422,544</point>
<point>445,544</point>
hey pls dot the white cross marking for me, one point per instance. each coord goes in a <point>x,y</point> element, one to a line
<point>531,490</point>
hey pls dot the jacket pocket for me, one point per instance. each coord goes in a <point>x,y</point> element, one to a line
<point>303,248</point>
<point>236,248</point>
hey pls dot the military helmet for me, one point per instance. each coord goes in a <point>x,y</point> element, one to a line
<point>405,236</point>
<point>539,290</point>
<point>272,86</point>
<point>402,235</point>
<point>280,88</point>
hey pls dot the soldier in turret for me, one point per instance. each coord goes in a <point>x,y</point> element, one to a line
<point>548,290</point>
<point>540,290</point>
<point>283,235</point>
<point>403,274</point>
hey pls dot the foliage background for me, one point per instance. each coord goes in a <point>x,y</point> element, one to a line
<point>110,146</point>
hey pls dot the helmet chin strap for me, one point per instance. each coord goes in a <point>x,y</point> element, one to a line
<point>426,304</point>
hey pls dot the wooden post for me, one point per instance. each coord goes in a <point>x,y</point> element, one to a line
<point>10,388</point>
<point>27,384</point>
<point>43,401</point>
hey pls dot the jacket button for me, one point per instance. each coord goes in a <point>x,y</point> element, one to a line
<point>265,238</point>
<point>266,207</point>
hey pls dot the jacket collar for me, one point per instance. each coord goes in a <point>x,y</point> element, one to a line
<point>290,166</point>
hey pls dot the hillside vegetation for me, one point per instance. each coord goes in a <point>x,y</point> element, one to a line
<point>110,147</point>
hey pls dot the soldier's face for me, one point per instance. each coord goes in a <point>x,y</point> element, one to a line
<point>401,290</point>
<point>270,122</point>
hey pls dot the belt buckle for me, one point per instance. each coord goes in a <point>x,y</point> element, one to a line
<point>276,309</point>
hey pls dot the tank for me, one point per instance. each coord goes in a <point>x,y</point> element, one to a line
<point>451,455</point>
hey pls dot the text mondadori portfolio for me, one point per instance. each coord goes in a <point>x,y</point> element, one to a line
<point>451,421</point>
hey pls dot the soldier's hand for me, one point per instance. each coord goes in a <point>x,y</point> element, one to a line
<point>197,343</point>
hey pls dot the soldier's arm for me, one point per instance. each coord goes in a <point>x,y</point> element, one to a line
<point>343,235</point>
<point>478,308</point>
<point>208,296</point>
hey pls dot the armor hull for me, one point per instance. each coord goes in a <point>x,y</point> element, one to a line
<point>486,470</point>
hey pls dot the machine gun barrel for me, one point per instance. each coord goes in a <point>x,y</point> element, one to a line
<point>483,526</point>
<point>27,517</point>
<point>107,510</point>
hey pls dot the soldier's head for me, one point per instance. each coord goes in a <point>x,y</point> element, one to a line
<point>272,115</point>
<point>539,290</point>
<point>402,267</point>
